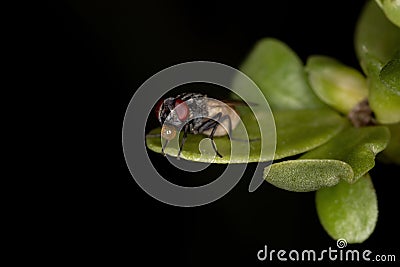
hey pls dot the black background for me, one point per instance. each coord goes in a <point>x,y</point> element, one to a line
<point>99,52</point>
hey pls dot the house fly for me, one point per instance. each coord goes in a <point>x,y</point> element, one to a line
<point>196,114</point>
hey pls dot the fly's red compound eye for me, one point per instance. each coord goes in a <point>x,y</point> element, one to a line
<point>158,108</point>
<point>181,109</point>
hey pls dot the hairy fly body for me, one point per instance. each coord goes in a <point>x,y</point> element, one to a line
<point>195,113</point>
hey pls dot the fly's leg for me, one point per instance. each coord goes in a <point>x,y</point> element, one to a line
<point>185,132</point>
<point>206,126</point>
<point>227,117</point>
<point>213,124</point>
<point>158,135</point>
<point>163,147</point>
<point>212,139</point>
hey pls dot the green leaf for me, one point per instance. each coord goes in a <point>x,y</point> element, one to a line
<point>375,35</point>
<point>337,85</point>
<point>280,75</point>
<point>297,132</point>
<point>348,211</point>
<point>384,100</point>
<point>302,130</point>
<point>390,73</point>
<point>307,175</point>
<point>355,146</point>
<point>391,9</point>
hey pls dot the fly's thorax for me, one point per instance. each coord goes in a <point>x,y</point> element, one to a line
<point>186,108</point>
<point>198,107</point>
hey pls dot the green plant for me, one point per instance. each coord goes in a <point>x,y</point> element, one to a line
<point>330,119</point>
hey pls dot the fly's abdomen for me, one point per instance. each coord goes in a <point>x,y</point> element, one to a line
<point>224,114</point>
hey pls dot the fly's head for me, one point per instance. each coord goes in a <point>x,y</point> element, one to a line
<point>172,113</point>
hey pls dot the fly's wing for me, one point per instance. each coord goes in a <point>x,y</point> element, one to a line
<point>233,102</point>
